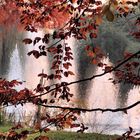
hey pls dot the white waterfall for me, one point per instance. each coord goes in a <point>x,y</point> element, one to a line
<point>103,93</point>
<point>15,73</point>
<point>134,113</point>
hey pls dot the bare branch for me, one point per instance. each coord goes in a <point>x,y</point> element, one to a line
<point>96,109</point>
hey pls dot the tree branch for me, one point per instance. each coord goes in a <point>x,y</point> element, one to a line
<point>92,77</point>
<point>96,109</point>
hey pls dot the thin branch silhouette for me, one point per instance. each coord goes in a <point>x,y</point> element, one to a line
<point>82,80</point>
<point>92,77</point>
<point>123,109</point>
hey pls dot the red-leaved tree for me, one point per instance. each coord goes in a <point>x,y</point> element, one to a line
<point>81,20</point>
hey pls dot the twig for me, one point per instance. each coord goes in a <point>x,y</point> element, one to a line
<point>57,121</point>
<point>95,109</point>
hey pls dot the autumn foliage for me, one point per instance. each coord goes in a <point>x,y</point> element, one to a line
<point>79,19</point>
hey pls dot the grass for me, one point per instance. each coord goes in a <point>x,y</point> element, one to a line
<point>63,135</point>
<point>4,128</point>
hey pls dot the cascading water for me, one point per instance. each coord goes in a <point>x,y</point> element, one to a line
<point>101,94</point>
<point>134,114</point>
<point>32,68</point>
<point>15,72</point>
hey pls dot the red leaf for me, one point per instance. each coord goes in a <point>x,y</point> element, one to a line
<point>93,35</point>
<point>66,74</point>
<point>136,35</point>
<point>14,83</point>
<point>52,101</point>
<point>43,53</point>
<point>51,76</point>
<point>91,54</point>
<point>108,68</point>
<point>66,65</point>
<point>100,64</point>
<point>67,49</point>
<point>46,130</point>
<point>36,40</point>
<point>35,53</point>
<point>52,49</point>
<point>45,101</point>
<point>47,88</point>
<point>94,61</point>
<point>87,48</point>
<point>127,54</point>
<point>135,64</point>
<point>58,77</point>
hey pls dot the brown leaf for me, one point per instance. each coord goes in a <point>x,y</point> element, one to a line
<point>46,130</point>
<point>100,64</point>
<point>37,126</point>
<point>87,48</point>
<point>58,77</point>
<point>52,49</point>
<point>35,53</point>
<point>93,35</point>
<point>66,74</point>
<point>108,68</point>
<point>67,49</point>
<point>36,40</point>
<point>70,72</point>
<point>43,53</point>
<point>66,65</point>
<point>52,101</point>
<point>91,54</point>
